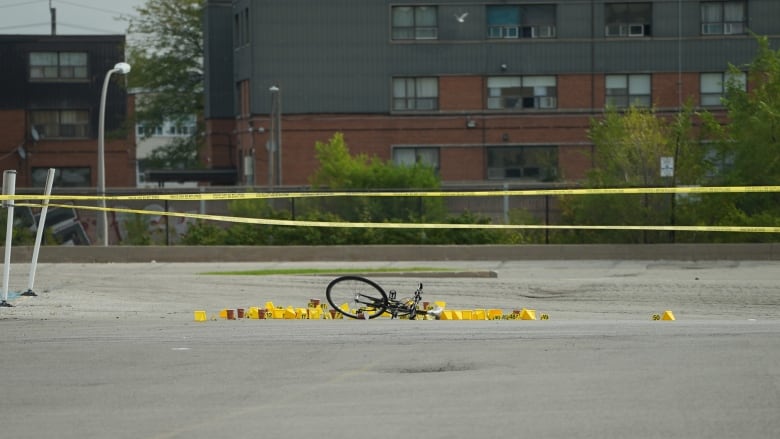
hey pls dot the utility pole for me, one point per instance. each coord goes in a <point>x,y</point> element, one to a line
<point>53,12</point>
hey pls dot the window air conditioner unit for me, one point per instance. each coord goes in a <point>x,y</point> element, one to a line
<point>711,28</point>
<point>542,32</point>
<point>636,30</point>
<point>732,28</point>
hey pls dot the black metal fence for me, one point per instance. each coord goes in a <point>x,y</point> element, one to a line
<point>73,221</point>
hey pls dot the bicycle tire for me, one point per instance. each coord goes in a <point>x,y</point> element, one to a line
<point>361,295</point>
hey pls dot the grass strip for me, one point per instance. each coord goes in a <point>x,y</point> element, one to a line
<point>310,271</point>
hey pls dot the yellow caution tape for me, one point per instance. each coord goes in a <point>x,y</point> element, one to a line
<point>491,193</point>
<point>387,225</point>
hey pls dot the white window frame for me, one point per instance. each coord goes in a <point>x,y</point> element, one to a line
<point>58,66</point>
<point>625,30</point>
<point>624,90</point>
<point>66,176</point>
<point>717,17</point>
<point>712,87</point>
<point>414,22</point>
<point>415,93</point>
<point>626,26</point>
<point>532,28</point>
<point>543,31</point>
<point>522,162</point>
<point>57,124</point>
<point>411,155</point>
<point>522,92</point>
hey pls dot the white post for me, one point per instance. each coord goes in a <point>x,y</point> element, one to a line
<point>9,188</point>
<point>278,152</point>
<point>39,233</point>
<point>102,222</point>
<point>202,201</point>
<point>506,204</point>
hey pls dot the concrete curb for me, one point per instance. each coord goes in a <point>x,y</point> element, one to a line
<point>125,254</point>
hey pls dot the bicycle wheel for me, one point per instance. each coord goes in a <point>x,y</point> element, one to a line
<point>356,297</point>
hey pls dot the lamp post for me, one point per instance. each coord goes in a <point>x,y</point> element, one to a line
<point>123,68</point>
<point>275,144</point>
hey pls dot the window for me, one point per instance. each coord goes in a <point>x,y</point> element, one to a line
<point>144,131</point>
<point>58,66</point>
<point>537,163</point>
<point>183,130</point>
<point>723,18</point>
<point>713,86</point>
<point>517,93</point>
<point>241,28</point>
<point>626,90</point>
<point>531,21</point>
<point>60,123</point>
<point>415,23</point>
<point>719,163</point>
<point>142,165</point>
<point>63,177</point>
<point>179,129</point>
<point>415,94</point>
<point>628,19</point>
<point>185,127</point>
<point>409,156</point>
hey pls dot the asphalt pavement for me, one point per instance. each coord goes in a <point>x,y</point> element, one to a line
<point>112,350</point>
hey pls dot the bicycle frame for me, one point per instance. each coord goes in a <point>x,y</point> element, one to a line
<point>360,298</point>
<point>406,306</point>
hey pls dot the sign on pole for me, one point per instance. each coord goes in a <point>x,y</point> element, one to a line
<point>667,166</point>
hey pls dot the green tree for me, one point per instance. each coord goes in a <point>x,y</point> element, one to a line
<point>629,146</point>
<point>165,48</point>
<point>741,149</point>
<point>341,171</point>
<point>748,148</point>
<point>752,135</point>
<point>180,153</point>
<point>137,230</point>
<point>628,150</point>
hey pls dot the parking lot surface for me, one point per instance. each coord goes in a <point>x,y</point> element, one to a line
<point>112,350</point>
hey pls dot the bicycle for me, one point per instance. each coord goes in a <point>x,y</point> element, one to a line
<point>360,298</point>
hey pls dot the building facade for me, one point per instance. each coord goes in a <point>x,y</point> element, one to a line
<point>150,138</point>
<point>485,91</point>
<point>50,89</point>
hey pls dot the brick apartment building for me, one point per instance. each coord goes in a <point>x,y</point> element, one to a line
<point>50,87</point>
<point>486,91</point>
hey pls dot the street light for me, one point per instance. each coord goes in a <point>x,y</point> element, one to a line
<point>123,68</point>
<point>275,143</point>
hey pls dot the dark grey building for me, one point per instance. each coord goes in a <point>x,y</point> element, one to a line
<point>483,90</point>
<point>50,87</point>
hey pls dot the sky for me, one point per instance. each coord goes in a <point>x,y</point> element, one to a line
<point>77,17</point>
